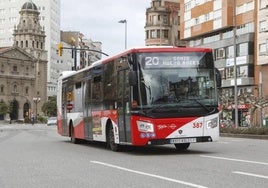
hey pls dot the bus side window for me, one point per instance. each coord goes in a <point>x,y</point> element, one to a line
<point>97,89</point>
<point>109,85</point>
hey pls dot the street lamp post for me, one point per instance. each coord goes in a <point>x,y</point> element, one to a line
<point>36,100</point>
<point>125,22</point>
<point>235,66</point>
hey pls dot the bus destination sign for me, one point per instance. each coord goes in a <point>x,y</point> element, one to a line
<point>150,62</point>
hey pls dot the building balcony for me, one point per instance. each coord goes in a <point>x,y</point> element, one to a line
<point>241,81</point>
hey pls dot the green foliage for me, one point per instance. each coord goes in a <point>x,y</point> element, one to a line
<point>42,119</point>
<point>4,108</point>
<point>50,107</point>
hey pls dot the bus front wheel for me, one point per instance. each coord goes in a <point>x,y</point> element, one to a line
<point>110,141</point>
<point>183,146</point>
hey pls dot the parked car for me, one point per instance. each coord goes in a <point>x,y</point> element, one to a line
<point>52,121</point>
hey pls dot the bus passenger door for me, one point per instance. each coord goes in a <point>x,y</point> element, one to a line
<point>87,110</point>
<point>64,111</point>
<point>123,93</point>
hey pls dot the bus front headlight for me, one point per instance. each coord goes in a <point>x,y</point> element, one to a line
<point>145,126</point>
<point>212,123</point>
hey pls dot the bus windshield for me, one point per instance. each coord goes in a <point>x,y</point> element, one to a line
<point>182,79</point>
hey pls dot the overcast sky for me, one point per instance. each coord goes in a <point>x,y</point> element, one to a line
<point>98,21</point>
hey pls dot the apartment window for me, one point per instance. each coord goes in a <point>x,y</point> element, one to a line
<point>228,34</point>
<point>198,42</point>
<point>246,28</point>
<point>187,6</point>
<point>197,21</point>
<point>154,19</point>
<point>229,72</point>
<point>158,33</point>
<point>206,17</point>
<point>242,71</point>
<point>153,34</point>
<point>230,51</point>
<point>197,2</point>
<point>147,35</point>
<point>263,48</point>
<point>12,20</point>
<point>263,25</point>
<point>263,4</point>
<point>222,73</point>
<point>220,53</point>
<point>210,39</point>
<point>242,49</point>
<point>165,19</point>
<point>165,33</point>
<point>245,7</point>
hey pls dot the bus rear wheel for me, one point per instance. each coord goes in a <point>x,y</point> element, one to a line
<point>110,141</point>
<point>183,146</point>
<point>73,139</point>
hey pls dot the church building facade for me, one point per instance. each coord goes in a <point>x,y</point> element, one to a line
<point>23,68</point>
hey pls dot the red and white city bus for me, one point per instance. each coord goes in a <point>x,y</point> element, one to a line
<point>142,96</point>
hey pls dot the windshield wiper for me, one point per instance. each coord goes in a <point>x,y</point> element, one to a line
<point>201,104</point>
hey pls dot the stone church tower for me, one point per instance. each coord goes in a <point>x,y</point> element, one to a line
<point>23,75</point>
<point>29,35</point>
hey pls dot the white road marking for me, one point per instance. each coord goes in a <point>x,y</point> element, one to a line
<point>250,174</point>
<point>232,159</point>
<point>147,174</point>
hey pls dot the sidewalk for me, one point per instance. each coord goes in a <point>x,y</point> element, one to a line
<point>253,136</point>
<point>6,125</point>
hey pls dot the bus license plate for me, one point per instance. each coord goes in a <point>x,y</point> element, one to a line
<point>182,140</point>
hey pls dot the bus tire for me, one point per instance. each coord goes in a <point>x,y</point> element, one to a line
<point>110,139</point>
<point>183,146</point>
<point>73,139</point>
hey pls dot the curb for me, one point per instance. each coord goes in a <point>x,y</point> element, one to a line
<point>263,137</point>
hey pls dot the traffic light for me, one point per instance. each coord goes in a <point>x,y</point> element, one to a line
<point>59,50</point>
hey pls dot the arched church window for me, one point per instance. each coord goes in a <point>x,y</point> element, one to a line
<point>33,44</point>
<point>26,44</point>
<point>27,91</point>
<point>2,89</point>
<point>15,68</point>
<point>21,44</point>
<point>37,44</point>
<point>15,89</point>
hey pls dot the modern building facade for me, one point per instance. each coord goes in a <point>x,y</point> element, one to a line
<point>23,75</point>
<point>261,58</point>
<point>226,26</point>
<point>49,19</point>
<point>84,51</point>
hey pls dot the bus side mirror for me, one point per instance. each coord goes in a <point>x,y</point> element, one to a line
<point>132,78</point>
<point>218,78</point>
